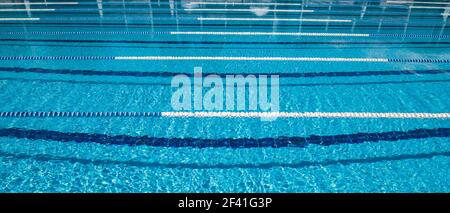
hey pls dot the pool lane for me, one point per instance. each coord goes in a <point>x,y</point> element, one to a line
<point>379,59</point>
<point>86,92</point>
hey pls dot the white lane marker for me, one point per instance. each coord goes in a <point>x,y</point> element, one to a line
<point>225,58</point>
<point>38,3</point>
<point>427,7</point>
<point>295,4</point>
<point>273,19</point>
<point>269,33</point>
<point>248,10</point>
<point>20,10</point>
<point>19,19</point>
<point>306,115</point>
<point>415,2</point>
<point>245,3</point>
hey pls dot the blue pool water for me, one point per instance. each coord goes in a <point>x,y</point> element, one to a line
<point>203,154</point>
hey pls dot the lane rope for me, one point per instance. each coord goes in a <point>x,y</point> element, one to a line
<point>227,33</point>
<point>230,114</point>
<point>223,58</point>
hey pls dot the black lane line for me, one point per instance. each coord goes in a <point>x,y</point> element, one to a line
<point>226,42</point>
<point>240,14</point>
<point>269,26</point>
<point>168,84</point>
<point>301,164</point>
<point>281,141</point>
<point>171,74</point>
<point>219,47</point>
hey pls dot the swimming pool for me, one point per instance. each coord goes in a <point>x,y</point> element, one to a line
<point>86,96</point>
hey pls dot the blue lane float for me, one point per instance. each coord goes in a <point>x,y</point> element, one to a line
<point>79,114</point>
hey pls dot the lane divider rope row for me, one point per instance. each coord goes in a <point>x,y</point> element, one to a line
<point>223,58</point>
<point>314,34</point>
<point>231,114</point>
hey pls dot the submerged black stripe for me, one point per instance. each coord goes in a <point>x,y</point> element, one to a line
<point>171,74</point>
<point>217,47</point>
<point>226,142</point>
<point>250,165</point>
<point>269,26</point>
<point>219,42</point>
<point>168,84</point>
<point>241,14</point>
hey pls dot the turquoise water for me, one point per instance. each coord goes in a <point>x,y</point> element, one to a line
<point>107,154</point>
